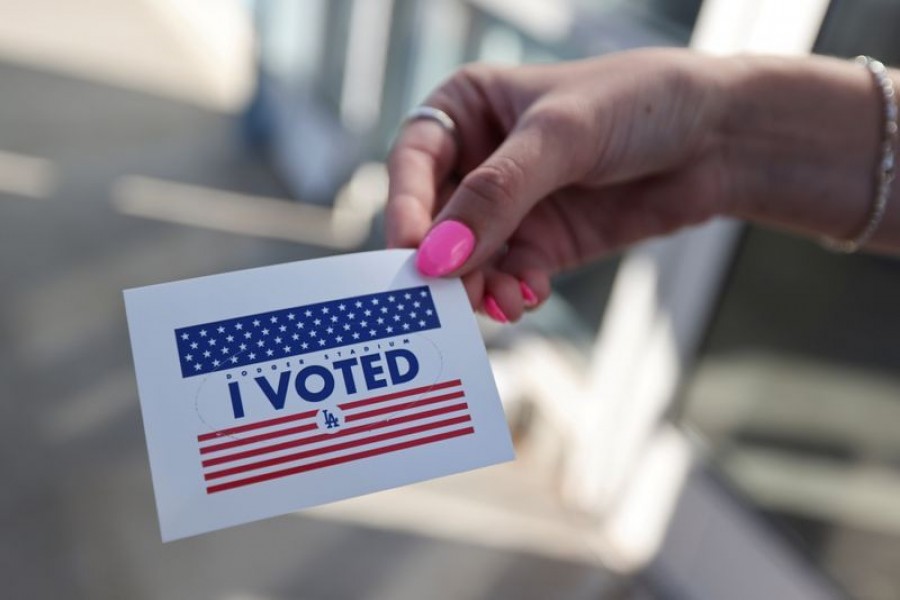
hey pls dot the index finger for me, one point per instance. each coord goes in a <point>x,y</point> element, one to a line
<point>419,162</point>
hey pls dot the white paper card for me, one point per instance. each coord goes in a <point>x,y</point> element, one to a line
<point>273,389</point>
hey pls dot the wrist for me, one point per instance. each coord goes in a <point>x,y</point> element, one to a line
<point>799,143</point>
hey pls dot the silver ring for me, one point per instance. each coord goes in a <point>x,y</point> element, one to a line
<point>433,114</point>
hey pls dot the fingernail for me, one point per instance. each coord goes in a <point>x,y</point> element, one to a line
<point>493,310</point>
<point>528,294</point>
<point>445,248</point>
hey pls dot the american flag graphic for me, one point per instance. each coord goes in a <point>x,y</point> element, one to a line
<point>242,341</point>
<point>249,454</point>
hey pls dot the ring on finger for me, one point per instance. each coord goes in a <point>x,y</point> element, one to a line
<point>430,113</point>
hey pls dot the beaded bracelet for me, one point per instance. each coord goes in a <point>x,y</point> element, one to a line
<point>885,174</point>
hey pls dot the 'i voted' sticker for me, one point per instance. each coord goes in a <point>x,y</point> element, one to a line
<point>273,389</point>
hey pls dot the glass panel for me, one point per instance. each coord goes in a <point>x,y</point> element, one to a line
<point>797,390</point>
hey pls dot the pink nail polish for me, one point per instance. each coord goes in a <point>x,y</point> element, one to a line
<point>493,310</point>
<point>528,294</point>
<point>445,248</point>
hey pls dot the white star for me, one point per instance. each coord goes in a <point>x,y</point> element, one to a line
<point>278,340</point>
<point>423,293</point>
<point>407,295</point>
<point>390,298</point>
<point>197,366</point>
<point>312,334</point>
<point>202,333</point>
<point>367,312</point>
<point>239,326</point>
<point>342,307</point>
<point>358,304</point>
<point>371,332</point>
<point>252,355</point>
<point>193,345</point>
<point>265,332</point>
<point>355,335</point>
<point>224,350</point>
<point>291,316</point>
<point>406,326</point>
<point>351,316</point>
<point>260,343</point>
<point>321,342</point>
<point>243,346</point>
<point>212,341</point>
<point>304,345</point>
<point>308,313</point>
<point>256,322</point>
<point>184,336</point>
<point>324,310</point>
<point>330,330</point>
<point>380,321</point>
<point>421,323</point>
<point>216,363</point>
<point>282,328</point>
<point>274,319</point>
<point>188,357</point>
<point>230,338</point>
<point>287,349</point>
<point>412,314</point>
<point>221,329</point>
<point>248,335</point>
<point>317,322</point>
<point>363,323</point>
<point>334,319</point>
<point>300,325</point>
<point>206,354</point>
<point>396,317</point>
<point>346,326</point>
<point>339,339</point>
<point>401,306</point>
<point>429,312</point>
<point>417,304</point>
<point>295,337</point>
<point>234,359</point>
<point>270,352</point>
<point>374,300</point>
<point>389,329</point>
<point>383,309</point>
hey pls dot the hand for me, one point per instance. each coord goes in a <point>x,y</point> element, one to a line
<point>557,165</point>
<point>554,166</point>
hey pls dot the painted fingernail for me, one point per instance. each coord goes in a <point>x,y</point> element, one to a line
<point>528,295</point>
<point>445,248</point>
<point>493,310</point>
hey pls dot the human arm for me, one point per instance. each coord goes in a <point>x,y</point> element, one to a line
<point>558,165</point>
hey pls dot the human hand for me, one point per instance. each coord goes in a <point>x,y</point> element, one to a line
<point>554,166</point>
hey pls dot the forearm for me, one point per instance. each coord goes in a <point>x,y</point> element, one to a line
<point>801,143</point>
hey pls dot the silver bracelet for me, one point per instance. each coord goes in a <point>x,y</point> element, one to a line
<point>885,174</point>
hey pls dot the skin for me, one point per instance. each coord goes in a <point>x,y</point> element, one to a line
<point>558,165</point>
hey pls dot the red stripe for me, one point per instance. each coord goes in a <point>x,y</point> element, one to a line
<point>404,406</point>
<point>337,460</point>
<point>312,413</point>
<point>234,443</point>
<point>259,425</point>
<point>280,460</point>
<point>211,462</point>
<point>420,390</point>
<point>258,438</point>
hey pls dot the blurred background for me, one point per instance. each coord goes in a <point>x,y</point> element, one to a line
<point>714,415</point>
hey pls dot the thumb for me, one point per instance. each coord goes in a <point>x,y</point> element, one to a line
<point>492,200</point>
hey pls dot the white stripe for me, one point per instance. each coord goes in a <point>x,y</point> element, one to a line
<point>339,441</point>
<point>330,440</point>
